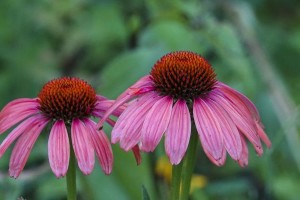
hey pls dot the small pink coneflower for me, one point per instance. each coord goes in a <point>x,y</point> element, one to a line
<point>180,91</point>
<point>66,103</point>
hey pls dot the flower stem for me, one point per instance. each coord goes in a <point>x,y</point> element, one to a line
<point>71,176</point>
<point>189,162</point>
<point>176,180</point>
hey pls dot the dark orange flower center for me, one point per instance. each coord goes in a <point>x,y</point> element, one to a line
<point>183,74</point>
<point>67,98</point>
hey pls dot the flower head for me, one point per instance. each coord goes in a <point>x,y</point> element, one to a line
<point>180,91</point>
<point>67,103</point>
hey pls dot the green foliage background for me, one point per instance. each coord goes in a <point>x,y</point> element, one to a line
<point>254,47</point>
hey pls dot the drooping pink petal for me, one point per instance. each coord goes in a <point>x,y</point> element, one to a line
<point>137,154</point>
<point>130,128</point>
<point>24,146</point>
<point>59,149</point>
<point>230,134</point>
<point>209,130</point>
<point>17,104</point>
<point>20,129</point>
<point>240,99</point>
<point>218,162</point>
<point>100,97</point>
<point>112,109</point>
<point>83,147</point>
<point>121,122</point>
<point>243,161</point>
<point>178,132</point>
<point>263,135</point>
<point>110,122</point>
<point>241,116</point>
<point>142,86</point>
<point>16,111</point>
<point>102,106</point>
<point>156,123</point>
<point>101,145</point>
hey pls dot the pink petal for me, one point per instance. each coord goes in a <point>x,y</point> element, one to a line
<point>229,132</point>
<point>102,106</point>
<point>112,109</point>
<point>100,97</point>
<point>110,122</point>
<point>156,123</point>
<point>178,132</point>
<point>59,149</point>
<point>101,145</point>
<point>241,116</point>
<point>130,127</point>
<point>218,162</point>
<point>122,120</point>
<point>137,154</point>
<point>142,86</point>
<point>240,99</point>
<point>16,111</point>
<point>24,146</point>
<point>263,135</point>
<point>20,129</point>
<point>83,147</point>
<point>243,161</point>
<point>209,129</point>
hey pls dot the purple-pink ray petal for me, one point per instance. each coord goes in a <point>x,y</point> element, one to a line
<point>143,85</point>
<point>16,111</point>
<point>178,132</point>
<point>243,161</point>
<point>20,129</point>
<point>241,98</point>
<point>209,129</point>
<point>23,147</point>
<point>101,145</point>
<point>263,135</point>
<point>229,132</point>
<point>130,128</point>
<point>102,106</point>
<point>83,147</point>
<point>241,116</point>
<point>156,123</point>
<point>220,161</point>
<point>59,149</point>
<point>19,103</point>
<point>122,120</point>
<point>100,97</point>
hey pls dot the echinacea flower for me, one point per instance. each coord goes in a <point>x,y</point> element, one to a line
<point>67,104</point>
<point>180,91</point>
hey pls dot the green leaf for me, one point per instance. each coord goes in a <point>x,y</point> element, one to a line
<point>145,193</point>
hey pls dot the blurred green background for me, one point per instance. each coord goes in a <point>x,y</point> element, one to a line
<point>254,47</point>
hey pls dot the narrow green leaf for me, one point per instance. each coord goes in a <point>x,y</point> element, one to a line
<point>145,193</point>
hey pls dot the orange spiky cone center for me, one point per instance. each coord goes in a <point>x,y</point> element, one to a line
<point>67,98</point>
<point>183,74</point>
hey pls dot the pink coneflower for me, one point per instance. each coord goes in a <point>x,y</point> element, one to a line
<point>66,103</point>
<point>182,90</point>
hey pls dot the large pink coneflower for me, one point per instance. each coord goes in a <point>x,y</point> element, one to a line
<point>180,91</point>
<point>66,103</point>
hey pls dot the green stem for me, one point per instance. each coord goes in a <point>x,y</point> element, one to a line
<point>176,180</point>
<point>189,162</point>
<point>71,176</point>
